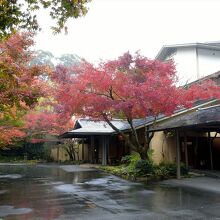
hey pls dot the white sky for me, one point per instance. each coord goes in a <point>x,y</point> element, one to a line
<point>113,27</point>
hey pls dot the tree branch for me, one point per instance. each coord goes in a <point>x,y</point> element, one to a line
<point>97,93</point>
<point>130,122</point>
<point>149,136</point>
<point>118,131</point>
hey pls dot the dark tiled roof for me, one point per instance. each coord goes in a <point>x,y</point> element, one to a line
<point>203,119</point>
<point>86,127</point>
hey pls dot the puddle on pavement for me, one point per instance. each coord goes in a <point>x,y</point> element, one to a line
<point>3,191</point>
<point>10,176</point>
<point>50,193</point>
<point>10,210</point>
<point>67,188</point>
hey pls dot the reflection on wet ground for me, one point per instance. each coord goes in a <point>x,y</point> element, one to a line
<point>61,193</point>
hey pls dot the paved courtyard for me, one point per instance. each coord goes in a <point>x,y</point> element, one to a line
<point>72,192</point>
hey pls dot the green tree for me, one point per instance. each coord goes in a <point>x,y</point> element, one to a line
<point>43,58</point>
<point>68,60</point>
<point>15,14</point>
<point>47,58</point>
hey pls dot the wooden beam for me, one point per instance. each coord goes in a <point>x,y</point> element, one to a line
<point>178,172</point>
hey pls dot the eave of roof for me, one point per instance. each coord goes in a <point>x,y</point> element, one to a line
<point>97,130</point>
<point>71,134</point>
<point>207,119</point>
<point>162,118</point>
<point>167,48</point>
<point>212,76</point>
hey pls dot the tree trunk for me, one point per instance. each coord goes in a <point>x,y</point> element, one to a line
<point>135,143</point>
<point>143,155</point>
<point>129,142</point>
<point>69,153</point>
<point>71,156</point>
<point>69,148</point>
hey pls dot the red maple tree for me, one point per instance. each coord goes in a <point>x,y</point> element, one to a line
<point>41,123</point>
<point>129,87</point>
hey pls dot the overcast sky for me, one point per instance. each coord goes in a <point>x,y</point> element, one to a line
<point>112,27</point>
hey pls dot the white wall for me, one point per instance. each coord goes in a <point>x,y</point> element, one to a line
<point>186,64</point>
<point>191,66</point>
<point>209,61</point>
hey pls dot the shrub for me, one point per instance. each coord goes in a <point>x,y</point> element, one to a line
<point>135,166</point>
<point>130,159</point>
<point>143,167</point>
<point>169,169</point>
<point>161,171</point>
<point>184,169</point>
<point>134,158</point>
<point>126,159</point>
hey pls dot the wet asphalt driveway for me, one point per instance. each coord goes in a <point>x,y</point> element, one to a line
<point>70,192</point>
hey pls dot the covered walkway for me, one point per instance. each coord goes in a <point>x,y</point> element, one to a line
<point>197,151</point>
<point>208,173</point>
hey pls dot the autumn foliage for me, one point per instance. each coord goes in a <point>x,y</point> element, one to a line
<point>20,85</point>
<point>129,87</point>
<point>45,122</point>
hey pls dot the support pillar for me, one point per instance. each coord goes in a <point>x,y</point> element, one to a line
<point>83,149</point>
<point>210,150</point>
<point>92,149</point>
<point>104,150</point>
<point>58,154</point>
<point>186,150</point>
<point>107,149</point>
<point>196,161</point>
<point>88,151</point>
<point>178,173</point>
